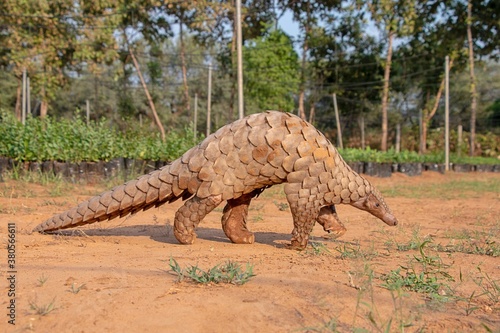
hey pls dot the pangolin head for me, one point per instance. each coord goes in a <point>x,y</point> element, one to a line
<point>374,203</point>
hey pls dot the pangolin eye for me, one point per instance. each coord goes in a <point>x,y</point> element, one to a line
<point>377,205</point>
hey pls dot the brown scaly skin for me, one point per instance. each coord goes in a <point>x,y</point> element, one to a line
<point>236,164</point>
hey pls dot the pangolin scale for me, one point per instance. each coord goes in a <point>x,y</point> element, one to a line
<point>235,164</point>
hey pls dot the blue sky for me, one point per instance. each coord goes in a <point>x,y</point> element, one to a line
<point>287,24</point>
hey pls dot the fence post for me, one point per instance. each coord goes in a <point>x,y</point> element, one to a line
<point>447,116</point>
<point>337,118</point>
<point>209,99</point>
<point>23,105</point>
<point>195,125</point>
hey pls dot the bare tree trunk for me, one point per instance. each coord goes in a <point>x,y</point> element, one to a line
<point>230,116</point>
<point>473,92</point>
<point>305,47</point>
<point>187,102</point>
<point>362,130</point>
<point>312,111</point>
<point>148,96</point>
<point>428,117</point>
<point>302,113</point>
<point>18,102</point>
<point>44,104</point>
<point>385,93</point>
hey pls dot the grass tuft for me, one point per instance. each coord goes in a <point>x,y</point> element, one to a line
<point>229,272</point>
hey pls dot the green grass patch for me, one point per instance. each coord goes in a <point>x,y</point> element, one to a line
<point>229,272</point>
<point>472,242</point>
<point>423,274</point>
<point>450,190</point>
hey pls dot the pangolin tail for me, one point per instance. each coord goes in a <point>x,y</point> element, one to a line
<point>147,191</point>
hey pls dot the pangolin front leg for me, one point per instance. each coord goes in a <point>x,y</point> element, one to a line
<point>303,223</point>
<point>189,216</point>
<point>330,222</point>
<point>234,220</point>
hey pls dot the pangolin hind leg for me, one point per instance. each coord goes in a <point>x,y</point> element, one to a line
<point>329,220</point>
<point>190,215</point>
<point>234,220</point>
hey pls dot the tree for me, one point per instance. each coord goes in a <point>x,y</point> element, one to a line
<point>42,42</point>
<point>307,13</point>
<point>271,71</point>
<point>395,18</point>
<point>473,92</point>
<point>344,59</point>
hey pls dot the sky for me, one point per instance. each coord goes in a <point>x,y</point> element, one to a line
<point>287,24</point>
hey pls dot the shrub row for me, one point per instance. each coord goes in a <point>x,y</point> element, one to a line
<point>126,168</point>
<point>42,143</point>
<point>66,140</point>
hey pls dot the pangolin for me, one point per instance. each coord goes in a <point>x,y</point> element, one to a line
<point>235,164</point>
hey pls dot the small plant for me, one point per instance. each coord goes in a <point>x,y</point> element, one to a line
<point>52,203</point>
<point>282,206</point>
<point>230,272</point>
<point>424,274</point>
<point>349,251</point>
<point>43,310</point>
<point>490,287</point>
<point>317,249</point>
<point>41,280</point>
<point>414,243</point>
<point>470,307</point>
<point>329,326</point>
<point>74,289</point>
<point>482,243</point>
<point>257,218</point>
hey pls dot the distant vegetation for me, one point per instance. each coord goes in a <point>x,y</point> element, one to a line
<point>147,61</point>
<point>73,141</point>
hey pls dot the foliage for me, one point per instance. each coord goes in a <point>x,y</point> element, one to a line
<point>76,51</point>
<point>272,88</point>
<point>406,156</point>
<point>230,272</point>
<point>73,141</point>
<point>423,274</point>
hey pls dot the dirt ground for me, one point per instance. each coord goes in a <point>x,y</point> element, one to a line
<point>115,276</point>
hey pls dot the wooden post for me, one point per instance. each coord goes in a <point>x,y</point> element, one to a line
<point>209,99</point>
<point>398,138</point>
<point>28,95</point>
<point>420,131</point>
<point>459,139</point>
<point>23,107</point>
<point>195,124</point>
<point>337,118</point>
<point>447,116</point>
<point>88,111</point>
<point>362,127</point>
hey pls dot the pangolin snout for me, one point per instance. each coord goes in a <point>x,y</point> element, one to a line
<point>390,219</point>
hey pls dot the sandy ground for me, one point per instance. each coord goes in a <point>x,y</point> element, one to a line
<point>115,276</point>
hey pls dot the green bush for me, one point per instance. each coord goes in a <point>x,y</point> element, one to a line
<point>406,156</point>
<point>73,141</point>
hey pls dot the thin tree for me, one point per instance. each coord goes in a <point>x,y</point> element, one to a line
<point>473,91</point>
<point>146,90</point>
<point>396,18</point>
